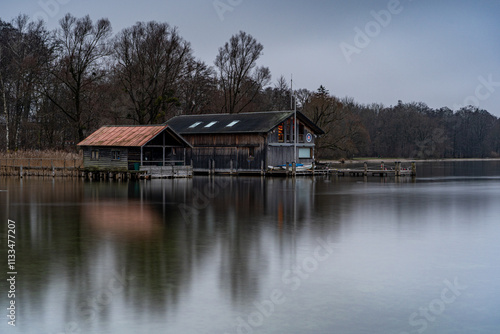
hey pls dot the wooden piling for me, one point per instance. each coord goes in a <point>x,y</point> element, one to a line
<point>366,169</point>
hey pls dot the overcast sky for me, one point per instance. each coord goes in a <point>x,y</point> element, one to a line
<point>440,52</point>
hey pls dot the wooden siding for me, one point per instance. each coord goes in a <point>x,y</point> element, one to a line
<point>273,135</point>
<point>105,161</point>
<point>280,153</point>
<point>226,151</point>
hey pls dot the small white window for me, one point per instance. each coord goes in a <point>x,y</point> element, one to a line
<point>305,153</point>
<point>210,124</point>
<point>231,124</point>
<point>194,125</point>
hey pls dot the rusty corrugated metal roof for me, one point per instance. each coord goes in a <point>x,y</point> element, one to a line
<point>129,136</point>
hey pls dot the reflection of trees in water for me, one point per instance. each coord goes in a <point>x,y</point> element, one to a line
<point>81,234</point>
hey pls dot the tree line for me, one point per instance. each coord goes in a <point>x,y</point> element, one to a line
<point>58,86</point>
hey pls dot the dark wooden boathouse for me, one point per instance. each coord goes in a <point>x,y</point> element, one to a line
<point>135,148</point>
<point>247,142</point>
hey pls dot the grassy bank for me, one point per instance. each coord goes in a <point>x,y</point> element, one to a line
<point>36,158</point>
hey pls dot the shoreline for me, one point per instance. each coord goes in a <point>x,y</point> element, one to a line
<point>393,160</point>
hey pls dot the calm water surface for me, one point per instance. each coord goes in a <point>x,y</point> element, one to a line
<point>252,255</point>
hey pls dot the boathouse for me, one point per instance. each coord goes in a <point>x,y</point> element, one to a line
<point>135,148</point>
<point>247,142</point>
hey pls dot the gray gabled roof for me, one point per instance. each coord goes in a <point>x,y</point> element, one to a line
<point>254,122</point>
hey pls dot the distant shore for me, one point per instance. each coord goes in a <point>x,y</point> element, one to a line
<point>392,160</point>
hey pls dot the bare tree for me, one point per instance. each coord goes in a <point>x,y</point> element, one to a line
<point>198,88</point>
<point>151,60</point>
<point>23,54</point>
<point>4,99</point>
<point>240,79</point>
<point>344,132</point>
<point>78,67</point>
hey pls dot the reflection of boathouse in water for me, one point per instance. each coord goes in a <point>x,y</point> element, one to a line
<point>247,142</point>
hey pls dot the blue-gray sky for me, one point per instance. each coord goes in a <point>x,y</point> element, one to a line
<point>443,53</point>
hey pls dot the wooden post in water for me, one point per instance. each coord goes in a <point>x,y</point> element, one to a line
<point>21,171</point>
<point>262,167</point>
<point>413,169</point>
<point>365,173</point>
<point>294,169</point>
<point>287,171</point>
<point>397,168</point>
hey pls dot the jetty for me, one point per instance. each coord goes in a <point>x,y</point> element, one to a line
<point>46,167</point>
<point>380,170</point>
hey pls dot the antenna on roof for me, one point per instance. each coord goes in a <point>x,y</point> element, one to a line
<point>293,105</point>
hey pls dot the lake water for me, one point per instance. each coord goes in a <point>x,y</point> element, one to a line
<point>253,255</point>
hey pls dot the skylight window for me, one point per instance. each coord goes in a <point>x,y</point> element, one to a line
<point>210,124</point>
<point>231,124</point>
<point>194,125</point>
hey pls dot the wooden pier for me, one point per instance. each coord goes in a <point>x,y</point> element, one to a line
<point>74,168</point>
<point>381,171</point>
<point>325,169</point>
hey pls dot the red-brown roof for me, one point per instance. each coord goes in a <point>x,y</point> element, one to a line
<point>129,136</point>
